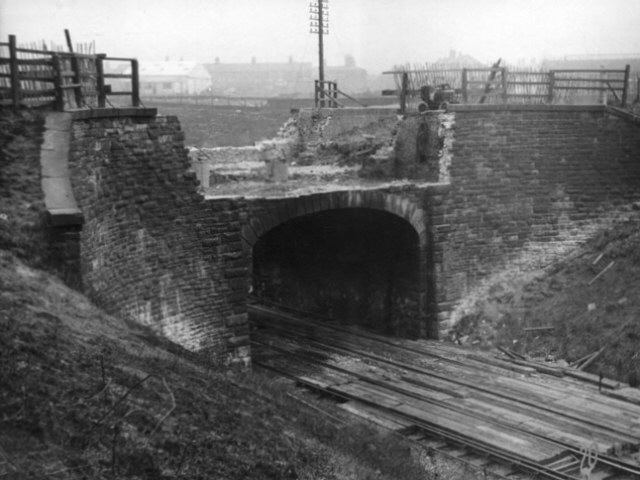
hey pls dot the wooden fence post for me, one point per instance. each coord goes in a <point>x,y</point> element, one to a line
<point>335,94</point>
<point>102,94</point>
<point>315,93</point>
<point>403,92</point>
<point>57,82</point>
<point>77,80</point>
<point>465,86</point>
<point>504,84</point>
<point>15,72</point>
<point>552,81</point>
<point>135,83</point>
<point>625,87</point>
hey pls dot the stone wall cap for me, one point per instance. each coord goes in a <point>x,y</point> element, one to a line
<point>59,217</point>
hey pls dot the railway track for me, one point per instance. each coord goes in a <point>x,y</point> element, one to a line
<point>495,416</point>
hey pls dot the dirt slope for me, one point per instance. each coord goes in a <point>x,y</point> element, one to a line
<point>589,301</point>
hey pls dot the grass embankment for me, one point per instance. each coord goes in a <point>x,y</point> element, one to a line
<point>84,394</point>
<point>583,304</point>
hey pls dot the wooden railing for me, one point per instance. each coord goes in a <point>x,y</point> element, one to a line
<point>62,80</point>
<point>505,86</point>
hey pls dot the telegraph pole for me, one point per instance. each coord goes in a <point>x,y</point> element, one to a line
<point>319,23</point>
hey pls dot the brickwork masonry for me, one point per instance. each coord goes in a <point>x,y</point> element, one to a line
<point>513,180</point>
<point>151,249</point>
<point>527,184</point>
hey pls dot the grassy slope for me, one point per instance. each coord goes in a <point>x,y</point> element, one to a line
<point>21,203</point>
<point>589,313</point>
<point>83,393</point>
<point>586,313</point>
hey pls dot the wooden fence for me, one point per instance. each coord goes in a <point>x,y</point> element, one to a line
<point>326,95</point>
<point>502,85</point>
<point>64,80</point>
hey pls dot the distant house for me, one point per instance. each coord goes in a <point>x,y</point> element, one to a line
<point>173,78</point>
<point>458,60</point>
<point>350,78</point>
<point>261,79</point>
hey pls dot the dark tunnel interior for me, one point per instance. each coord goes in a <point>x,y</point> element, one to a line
<point>356,266</point>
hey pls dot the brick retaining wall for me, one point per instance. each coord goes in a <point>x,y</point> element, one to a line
<point>151,249</point>
<point>524,175</point>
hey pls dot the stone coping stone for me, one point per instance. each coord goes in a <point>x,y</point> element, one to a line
<point>60,202</point>
<point>59,217</point>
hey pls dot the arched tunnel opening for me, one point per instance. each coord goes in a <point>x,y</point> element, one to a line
<point>357,266</point>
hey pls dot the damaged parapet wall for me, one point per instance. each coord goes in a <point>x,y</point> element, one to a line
<point>523,177</point>
<point>152,250</point>
<point>323,124</point>
<point>423,147</point>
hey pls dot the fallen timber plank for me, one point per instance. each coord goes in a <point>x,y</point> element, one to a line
<point>373,344</point>
<point>375,415</point>
<point>517,444</point>
<point>539,367</point>
<point>431,346</point>
<point>513,415</point>
<point>594,379</point>
<point>537,395</point>
<point>418,404</point>
<point>449,388</point>
<point>526,419</point>
<point>302,370</point>
<point>628,421</point>
<point>627,394</point>
<point>567,442</point>
<point>562,422</point>
<point>562,387</point>
<point>442,351</point>
<point>380,339</point>
<point>396,383</point>
<point>534,395</point>
<point>537,426</point>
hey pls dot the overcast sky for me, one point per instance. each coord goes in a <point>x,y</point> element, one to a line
<point>378,33</point>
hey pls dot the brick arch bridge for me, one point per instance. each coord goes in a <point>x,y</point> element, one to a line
<point>266,214</point>
<point>148,246</point>
<point>410,312</point>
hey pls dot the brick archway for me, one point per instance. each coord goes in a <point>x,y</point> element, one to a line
<point>270,214</point>
<point>266,214</point>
